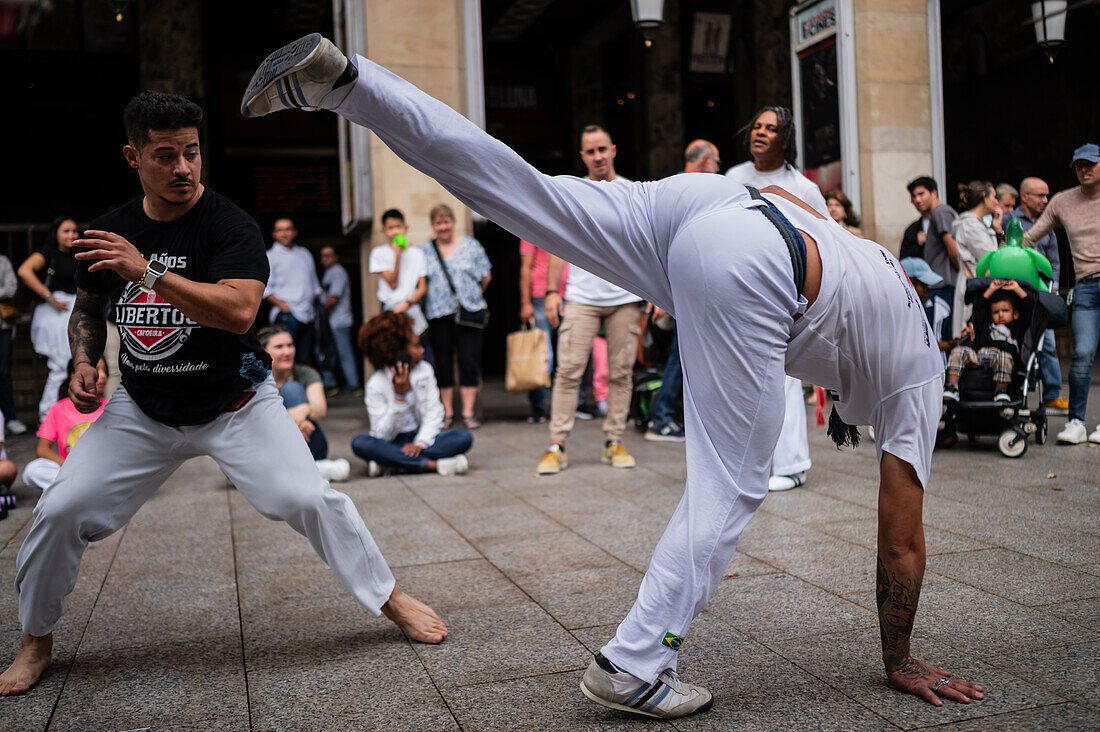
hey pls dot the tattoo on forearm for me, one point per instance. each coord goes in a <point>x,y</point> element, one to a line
<point>897,597</point>
<point>88,327</point>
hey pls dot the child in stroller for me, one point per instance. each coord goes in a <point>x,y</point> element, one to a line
<point>991,397</point>
<point>989,339</point>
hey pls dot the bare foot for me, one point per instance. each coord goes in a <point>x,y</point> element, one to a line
<point>33,658</point>
<point>416,619</point>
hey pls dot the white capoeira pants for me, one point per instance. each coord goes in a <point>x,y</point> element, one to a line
<point>792,450</point>
<point>40,473</point>
<point>50,338</point>
<point>125,456</point>
<point>694,245</point>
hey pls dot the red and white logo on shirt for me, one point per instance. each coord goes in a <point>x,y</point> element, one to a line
<point>150,327</point>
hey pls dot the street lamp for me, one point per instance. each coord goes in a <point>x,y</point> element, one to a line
<point>649,16</point>
<point>1049,17</point>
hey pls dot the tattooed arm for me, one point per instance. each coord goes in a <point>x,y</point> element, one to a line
<point>900,572</point>
<point>87,339</point>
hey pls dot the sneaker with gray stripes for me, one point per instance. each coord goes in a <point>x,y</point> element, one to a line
<point>667,697</point>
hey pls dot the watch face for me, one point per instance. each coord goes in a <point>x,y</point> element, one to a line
<point>158,268</point>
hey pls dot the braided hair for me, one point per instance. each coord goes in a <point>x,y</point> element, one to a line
<point>784,131</point>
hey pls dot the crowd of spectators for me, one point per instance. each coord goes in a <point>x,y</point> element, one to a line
<point>434,316</point>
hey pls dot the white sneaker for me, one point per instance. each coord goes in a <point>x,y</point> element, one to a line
<point>373,469</point>
<point>310,73</point>
<point>667,697</point>
<point>456,465</point>
<point>786,482</point>
<point>1074,432</point>
<point>1095,436</point>
<point>334,470</point>
<point>15,427</point>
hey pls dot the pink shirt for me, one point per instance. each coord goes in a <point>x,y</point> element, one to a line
<point>538,271</point>
<point>64,424</point>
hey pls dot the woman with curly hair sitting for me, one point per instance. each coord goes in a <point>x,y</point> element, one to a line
<point>406,415</point>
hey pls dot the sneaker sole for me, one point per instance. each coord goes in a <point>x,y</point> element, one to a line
<point>549,471</point>
<point>654,437</point>
<point>286,60</point>
<point>632,710</point>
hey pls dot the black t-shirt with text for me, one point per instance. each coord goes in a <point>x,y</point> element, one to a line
<point>178,371</point>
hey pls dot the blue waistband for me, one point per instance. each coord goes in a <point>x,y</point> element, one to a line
<point>796,245</point>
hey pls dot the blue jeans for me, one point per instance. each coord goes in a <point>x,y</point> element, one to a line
<point>388,452</point>
<point>293,394</point>
<point>672,384</point>
<point>1086,332</point>
<point>1050,368</point>
<point>537,397</point>
<point>342,336</point>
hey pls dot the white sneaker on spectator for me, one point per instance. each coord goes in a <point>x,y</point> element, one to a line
<point>15,427</point>
<point>1095,436</point>
<point>456,465</point>
<point>786,482</point>
<point>334,470</point>
<point>1074,432</point>
<point>373,469</point>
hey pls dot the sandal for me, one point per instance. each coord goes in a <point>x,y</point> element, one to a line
<point>471,423</point>
<point>447,422</point>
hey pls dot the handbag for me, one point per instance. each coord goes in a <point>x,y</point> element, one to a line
<point>470,318</point>
<point>528,361</point>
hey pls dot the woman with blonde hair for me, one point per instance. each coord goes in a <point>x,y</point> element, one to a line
<point>458,273</point>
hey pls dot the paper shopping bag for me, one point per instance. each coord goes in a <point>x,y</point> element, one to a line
<point>528,366</point>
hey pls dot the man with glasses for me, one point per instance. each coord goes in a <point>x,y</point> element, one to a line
<point>1034,194</point>
<point>1078,211</point>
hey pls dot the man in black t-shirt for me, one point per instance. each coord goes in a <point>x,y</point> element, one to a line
<point>185,270</point>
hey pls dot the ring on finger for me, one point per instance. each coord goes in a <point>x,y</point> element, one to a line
<point>941,683</point>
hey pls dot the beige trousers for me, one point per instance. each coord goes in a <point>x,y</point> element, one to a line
<point>579,326</point>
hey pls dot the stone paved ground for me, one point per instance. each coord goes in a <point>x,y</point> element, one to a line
<point>202,615</point>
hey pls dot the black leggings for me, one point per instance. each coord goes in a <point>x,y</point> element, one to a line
<point>447,336</point>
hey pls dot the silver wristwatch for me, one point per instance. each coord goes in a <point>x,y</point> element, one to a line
<point>153,272</point>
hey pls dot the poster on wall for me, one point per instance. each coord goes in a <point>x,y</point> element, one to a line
<point>817,92</point>
<point>821,115</point>
<point>710,41</point>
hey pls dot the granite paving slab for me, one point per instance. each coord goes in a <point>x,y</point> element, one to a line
<point>545,702</point>
<point>494,644</point>
<point>1069,671</point>
<point>864,532</point>
<point>851,663</point>
<point>584,597</point>
<point>1026,580</point>
<point>1065,716</point>
<point>541,553</point>
<point>463,585</point>
<point>774,607</point>
<point>1085,613</point>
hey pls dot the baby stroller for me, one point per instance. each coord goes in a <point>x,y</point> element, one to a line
<point>1012,422</point>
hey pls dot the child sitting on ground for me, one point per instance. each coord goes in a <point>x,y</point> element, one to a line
<point>402,398</point>
<point>62,427</point>
<point>989,338</point>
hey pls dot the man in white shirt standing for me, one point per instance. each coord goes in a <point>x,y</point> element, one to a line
<point>593,303</point>
<point>292,288</point>
<point>337,286</point>
<point>770,139</point>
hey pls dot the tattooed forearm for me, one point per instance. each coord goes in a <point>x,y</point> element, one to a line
<point>897,594</point>
<point>88,327</point>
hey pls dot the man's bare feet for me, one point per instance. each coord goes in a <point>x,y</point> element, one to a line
<point>414,617</point>
<point>33,658</point>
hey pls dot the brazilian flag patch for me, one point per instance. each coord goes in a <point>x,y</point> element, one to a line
<point>672,641</point>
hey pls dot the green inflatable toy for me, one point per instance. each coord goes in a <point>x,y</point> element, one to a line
<point>402,241</point>
<point>1015,262</point>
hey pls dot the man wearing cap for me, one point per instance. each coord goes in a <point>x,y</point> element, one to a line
<point>1034,194</point>
<point>1078,211</point>
<point>937,306</point>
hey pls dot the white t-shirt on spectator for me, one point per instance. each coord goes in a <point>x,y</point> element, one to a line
<point>786,177</point>
<point>588,289</point>
<point>412,269</point>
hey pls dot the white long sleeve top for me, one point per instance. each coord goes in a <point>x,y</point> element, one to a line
<point>419,410</point>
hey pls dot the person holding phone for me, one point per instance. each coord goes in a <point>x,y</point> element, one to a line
<point>406,415</point>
